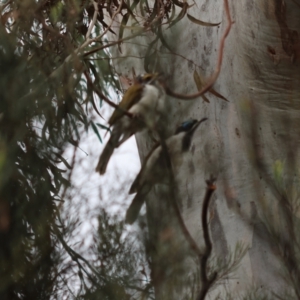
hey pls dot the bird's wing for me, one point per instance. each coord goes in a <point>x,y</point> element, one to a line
<point>131,97</point>
<point>137,182</point>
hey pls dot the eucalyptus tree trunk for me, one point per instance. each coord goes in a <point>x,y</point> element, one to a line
<point>250,143</point>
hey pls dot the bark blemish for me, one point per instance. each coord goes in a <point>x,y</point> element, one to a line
<point>273,54</point>
<point>208,48</point>
<point>205,62</point>
<point>194,41</point>
<point>249,5</point>
<point>190,66</point>
<point>209,32</point>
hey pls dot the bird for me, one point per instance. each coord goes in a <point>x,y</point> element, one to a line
<point>145,102</point>
<point>153,170</point>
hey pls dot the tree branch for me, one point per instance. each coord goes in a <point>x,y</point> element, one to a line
<point>215,76</point>
<point>92,51</point>
<point>112,21</point>
<point>206,282</point>
<point>77,257</point>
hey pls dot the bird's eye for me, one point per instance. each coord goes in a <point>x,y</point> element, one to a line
<point>185,124</point>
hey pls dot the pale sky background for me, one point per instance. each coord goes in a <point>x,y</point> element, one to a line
<point>92,191</point>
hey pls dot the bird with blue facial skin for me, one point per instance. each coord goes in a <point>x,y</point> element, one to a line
<point>154,167</point>
<point>145,102</point>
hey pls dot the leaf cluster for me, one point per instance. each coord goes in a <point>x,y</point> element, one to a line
<point>42,112</point>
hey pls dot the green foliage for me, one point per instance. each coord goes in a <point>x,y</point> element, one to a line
<point>225,266</point>
<point>121,271</point>
<point>43,110</point>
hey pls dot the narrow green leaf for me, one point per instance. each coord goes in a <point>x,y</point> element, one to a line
<point>199,22</point>
<point>123,23</point>
<point>178,3</point>
<point>134,4</point>
<point>162,39</point>
<point>103,127</point>
<point>199,84</point>
<point>96,131</point>
<point>153,13</point>
<point>215,93</point>
<point>63,160</point>
<point>172,13</point>
<point>180,15</point>
<point>142,8</point>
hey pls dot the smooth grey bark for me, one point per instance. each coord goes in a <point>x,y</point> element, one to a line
<point>260,77</point>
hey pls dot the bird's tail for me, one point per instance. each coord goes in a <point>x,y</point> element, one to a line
<point>136,205</point>
<point>107,153</point>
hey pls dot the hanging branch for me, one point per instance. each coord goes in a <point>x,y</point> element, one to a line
<point>111,22</point>
<point>215,76</point>
<point>206,282</point>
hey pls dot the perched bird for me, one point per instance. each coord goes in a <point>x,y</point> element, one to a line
<point>154,167</point>
<point>145,101</point>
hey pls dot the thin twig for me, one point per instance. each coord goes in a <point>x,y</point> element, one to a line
<point>86,43</point>
<point>50,29</point>
<point>88,40</point>
<point>112,21</point>
<point>138,33</point>
<point>75,256</point>
<point>215,76</point>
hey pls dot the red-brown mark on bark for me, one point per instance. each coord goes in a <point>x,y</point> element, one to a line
<point>272,53</point>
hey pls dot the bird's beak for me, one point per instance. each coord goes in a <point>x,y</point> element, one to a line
<point>155,76</point>
<point>186,142</point>
<point>197,125</point>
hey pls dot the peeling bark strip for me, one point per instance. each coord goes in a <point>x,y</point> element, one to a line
<point>289,38</point>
